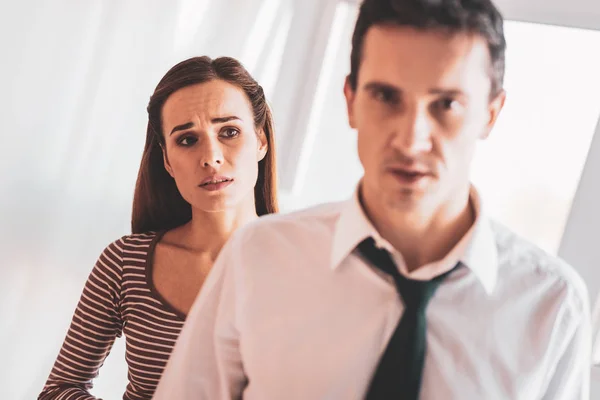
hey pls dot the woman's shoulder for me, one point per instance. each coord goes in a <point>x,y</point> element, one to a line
<point>140,238</point>
<point>139,244</point>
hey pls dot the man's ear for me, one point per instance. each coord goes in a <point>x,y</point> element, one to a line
<point>494,108</point>
<point>350,94</point>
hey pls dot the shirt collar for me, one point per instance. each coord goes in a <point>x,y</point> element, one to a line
<point>352,227</point>
<point>480,255</point>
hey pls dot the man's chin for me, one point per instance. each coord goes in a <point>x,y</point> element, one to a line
<point>408,199</point>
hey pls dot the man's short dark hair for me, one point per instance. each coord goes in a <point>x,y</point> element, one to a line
<point>478,17</point>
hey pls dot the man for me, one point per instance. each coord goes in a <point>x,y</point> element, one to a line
<point>407,290</point>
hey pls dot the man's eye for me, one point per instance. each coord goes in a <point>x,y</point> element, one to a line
<point>448,105</point>
<point>385,96</point>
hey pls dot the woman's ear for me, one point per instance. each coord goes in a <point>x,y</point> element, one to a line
<point>263,145</point>
<point>166,160</point>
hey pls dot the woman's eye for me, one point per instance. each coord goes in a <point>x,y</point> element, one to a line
<point>187,141</point>
<point>230,133</point>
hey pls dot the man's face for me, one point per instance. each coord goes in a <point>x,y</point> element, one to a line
<point>421,103</point>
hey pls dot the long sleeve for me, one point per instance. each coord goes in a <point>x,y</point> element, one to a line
<point>206,361</point>
<point>95,325</point>
<point>570,379</point>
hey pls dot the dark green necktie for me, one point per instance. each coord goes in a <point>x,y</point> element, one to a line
<point>398,375</point>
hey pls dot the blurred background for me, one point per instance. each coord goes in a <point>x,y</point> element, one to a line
<point>75,78</point>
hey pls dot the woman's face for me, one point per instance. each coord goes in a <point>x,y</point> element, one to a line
<point>212,149</point>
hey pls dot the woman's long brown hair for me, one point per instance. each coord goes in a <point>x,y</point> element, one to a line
<point>157,203</point>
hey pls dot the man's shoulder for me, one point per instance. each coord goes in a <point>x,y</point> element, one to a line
<point>313,223</point>
<point>521,258</point>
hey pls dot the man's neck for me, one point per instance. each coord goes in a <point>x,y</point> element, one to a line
<point>422,236</point>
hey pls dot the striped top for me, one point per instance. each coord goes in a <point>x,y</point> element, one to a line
<point>119,297</point>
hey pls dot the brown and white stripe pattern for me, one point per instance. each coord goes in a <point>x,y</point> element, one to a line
<point>118,298</point>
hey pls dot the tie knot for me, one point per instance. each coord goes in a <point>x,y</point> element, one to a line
<point>415,294</point>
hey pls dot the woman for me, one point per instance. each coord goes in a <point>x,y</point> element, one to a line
<point>208,167</point>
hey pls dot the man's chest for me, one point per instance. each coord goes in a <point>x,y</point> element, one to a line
<point>330,342</point>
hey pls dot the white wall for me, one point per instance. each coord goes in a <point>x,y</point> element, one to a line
<point>581,241</point>
<point>573,13</point>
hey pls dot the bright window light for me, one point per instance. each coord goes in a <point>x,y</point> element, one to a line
<point>529,168</point>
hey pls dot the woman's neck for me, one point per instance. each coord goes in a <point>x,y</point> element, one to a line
<point>207,232</point>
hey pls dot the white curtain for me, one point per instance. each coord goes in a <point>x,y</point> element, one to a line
<point>75,78</point>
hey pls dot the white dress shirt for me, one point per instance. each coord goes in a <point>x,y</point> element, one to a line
<point>290,311</point>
